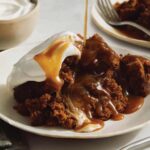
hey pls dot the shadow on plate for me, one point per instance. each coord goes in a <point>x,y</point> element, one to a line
<point>74,144</point>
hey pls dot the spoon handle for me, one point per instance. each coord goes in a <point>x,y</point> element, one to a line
<point>142,144</point>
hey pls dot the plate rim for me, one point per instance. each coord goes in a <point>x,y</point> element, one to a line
<point>22,126</point>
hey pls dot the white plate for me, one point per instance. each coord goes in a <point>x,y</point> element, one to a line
<point>101,24</point>
<point>8,114</point>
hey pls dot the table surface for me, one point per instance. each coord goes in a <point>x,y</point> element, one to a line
<point>62,15</point>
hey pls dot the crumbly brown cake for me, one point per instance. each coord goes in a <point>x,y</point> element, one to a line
<point>97,84</point>
<point>97,56</point>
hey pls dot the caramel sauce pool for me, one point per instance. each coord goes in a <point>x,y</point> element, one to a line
<point>134,104</point>
<point>117,117</point>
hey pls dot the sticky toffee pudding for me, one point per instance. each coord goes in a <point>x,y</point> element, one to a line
<point>95,84</point>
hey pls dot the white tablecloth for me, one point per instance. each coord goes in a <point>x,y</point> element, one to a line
<point>61,15</point>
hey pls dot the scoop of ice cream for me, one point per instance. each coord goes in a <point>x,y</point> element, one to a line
<point>45,60</point>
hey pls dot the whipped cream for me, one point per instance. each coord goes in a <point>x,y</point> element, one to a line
<point>11,9</point>
<point>28,69</point>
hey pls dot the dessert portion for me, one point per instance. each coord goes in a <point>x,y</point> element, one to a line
<point>137,11</point>
<point>64,82</point>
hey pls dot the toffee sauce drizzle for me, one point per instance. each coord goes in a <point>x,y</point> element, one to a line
<point>49,60</point>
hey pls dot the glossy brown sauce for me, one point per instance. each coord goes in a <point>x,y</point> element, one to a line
<point>117,117</point>
<point>50,61</point>
<point>133,33</point>
<point>134,104</point>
